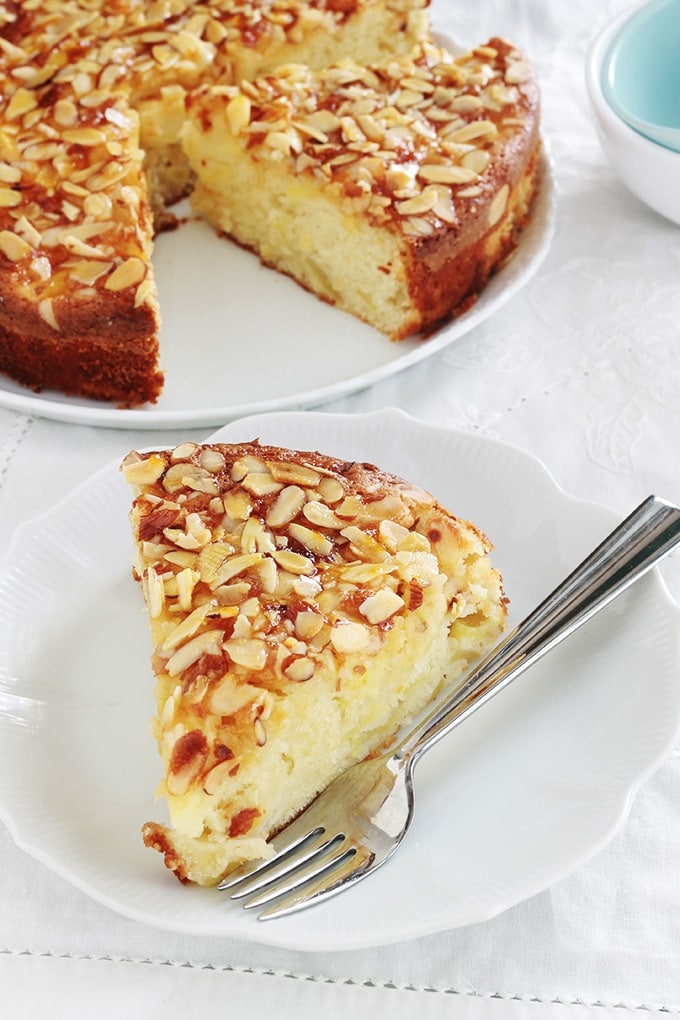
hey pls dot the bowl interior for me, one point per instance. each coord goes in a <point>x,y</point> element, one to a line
<point>641,69</point>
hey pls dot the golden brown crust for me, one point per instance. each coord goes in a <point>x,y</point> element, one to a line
<point>156,837</point>
<point>79,310</point>
<point>296,601</point>
<point>126,375</point>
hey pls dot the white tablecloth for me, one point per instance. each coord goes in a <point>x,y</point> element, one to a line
<point>582,369</point>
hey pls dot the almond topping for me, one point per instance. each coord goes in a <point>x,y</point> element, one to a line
<point>317,543</point>
<point>206,643</point>
<point>218,775</point>
<point>484,129</point>
<point>178,476</point>
<point>308,624</point>
<point>127,274</point>
<point>237,504</point>
<point>381,605</point>
<point>144,471</point>
<point>446,174</point>
<point>331,489</point>
<point>477,160</point>
<point>251,653</point>
<point>79,247</point>
<point>237,565</point>
<point>288,504</point>
<point>86,136</point>
<point>261,483</point>
<point>364,544</point>
<point>293,562</point>
<point>212,460</point>
<point>155,592</point>
<point>321,515</point>
<point>419,204</point>
<point>21,102</point>
<point>210,560</point>
<point>297,474</point>
<point>349,637</point>
<point>518,72</point>
<point>300,669</point>
<point>238,113</point>
<point>186,629</point>
<point>229,696</point>
<point>466,104</point>
<point>13,247</point>
<point>498,205</point>
<point>46,313</point>
<point>9,174</point>
<point>9,198</point>
<point>188,757</point>
<point>183,451</point>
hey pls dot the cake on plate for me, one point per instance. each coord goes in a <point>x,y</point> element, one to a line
<point>302,609</point>
<point>92,102</point>
<point>391,190</point>
<point>414,171</point>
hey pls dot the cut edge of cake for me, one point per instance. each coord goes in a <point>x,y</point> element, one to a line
<point>392,190</point>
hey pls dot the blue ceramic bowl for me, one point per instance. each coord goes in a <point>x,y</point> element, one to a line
<point>641,72</point>
<point>650,170</point>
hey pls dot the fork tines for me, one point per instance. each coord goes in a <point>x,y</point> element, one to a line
<point>308,870</point>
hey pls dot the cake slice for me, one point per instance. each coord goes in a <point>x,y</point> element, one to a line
<point>302,609</point>
<point>392,190</point>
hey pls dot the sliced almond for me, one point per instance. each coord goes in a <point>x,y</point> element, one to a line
<point>206,643</point>
<point>293,562</point>
<point>380,606</point>
<point>349,637</point>
<point>237,504</point>
<point>295,474</point>
<point>9,198</point>
<point>251,653</point>
<point>127,274</point>
<point>498,205</point>
<point>238,113</point>
<point>301,669</point>
<point>315,541</point>
<point>287,505</point>
<point>13,247</point>
<point>446,173</point>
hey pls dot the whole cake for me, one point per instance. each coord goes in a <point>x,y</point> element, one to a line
<point>93,148</point>
<point>302,608</point>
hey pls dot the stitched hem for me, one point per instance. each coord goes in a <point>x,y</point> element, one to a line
<point>630,1007</point>
<point>17,434</point>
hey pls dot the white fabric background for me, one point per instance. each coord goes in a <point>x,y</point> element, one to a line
<point>582,368</point>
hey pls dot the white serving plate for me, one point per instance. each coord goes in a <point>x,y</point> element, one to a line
<point>526,791</point>
<point>238,338</point>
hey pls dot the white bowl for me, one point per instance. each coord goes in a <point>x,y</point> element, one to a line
<point>641,73</point>
<point>651,171</point>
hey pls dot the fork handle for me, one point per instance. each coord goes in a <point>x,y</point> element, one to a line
<point>633,548</point>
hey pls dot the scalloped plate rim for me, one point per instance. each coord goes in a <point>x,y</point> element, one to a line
<point>295,935</point>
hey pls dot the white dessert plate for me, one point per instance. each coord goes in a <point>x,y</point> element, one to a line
<point>238,338</point>
<point>527,790</point>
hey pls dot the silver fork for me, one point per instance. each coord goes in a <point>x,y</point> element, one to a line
<point>357,823</point>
